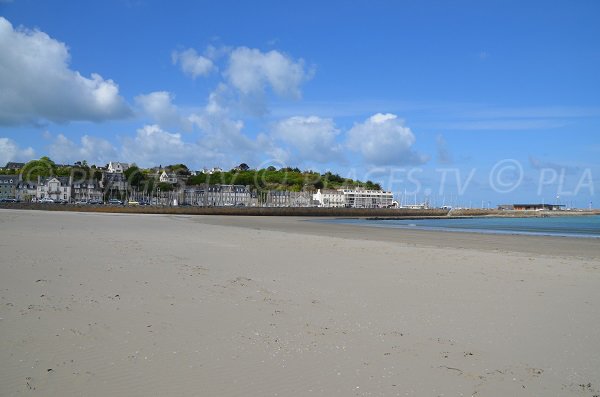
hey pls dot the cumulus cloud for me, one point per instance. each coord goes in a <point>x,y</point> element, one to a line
<point>93,149</point>
<point>383,139</point>
<point>158,105</point>
<point>152,144</point>
<point>37,84</point>
<point>10,151</point>
<point>309,138</point>
<point>248,73</point>
<point>218,101</point>
<point>191,63</point>
<point>251,72</point>
<point>223,140</point>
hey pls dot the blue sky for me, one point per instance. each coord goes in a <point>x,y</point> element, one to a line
<point>502,95</point>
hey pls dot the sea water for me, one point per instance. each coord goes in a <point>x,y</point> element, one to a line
<point>567,226</point>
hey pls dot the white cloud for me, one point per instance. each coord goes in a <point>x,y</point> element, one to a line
<point>10,151</point>
<point>310,138</point>
<point>191,63</point>
<point>223,140</point>
<point>222,136</point>
<point>251,72</point>
<point>92,149</point>
<point>38,85</point>
<point>218,101</point>
<point>158,105</point>
<point>153,146</point>
<point>384,140</point>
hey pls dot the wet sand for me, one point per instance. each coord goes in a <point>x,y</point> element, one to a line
<point>116,304</point>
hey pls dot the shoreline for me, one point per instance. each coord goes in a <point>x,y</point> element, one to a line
<point>369,213</point>
<point>542,245</point>
<point>567,246</point>
<point>379,222</point>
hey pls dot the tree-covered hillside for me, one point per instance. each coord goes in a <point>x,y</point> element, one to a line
<point>269,178</point>
<point>283,179</point>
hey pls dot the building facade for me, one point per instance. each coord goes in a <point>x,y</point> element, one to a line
<point>363,198</point>
<point>330,198</point>
<point>14,166</point>
<point>116,167</point>
<point>87,190</point>
<point>8,186</point>
<point>55,188</point>
<point>168,177</point>
<point>114,182</point>
<point>537,207</point>
<point>27,191</point>
<point>218,196</point>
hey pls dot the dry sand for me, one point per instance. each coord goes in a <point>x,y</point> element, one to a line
<point>139,305</point>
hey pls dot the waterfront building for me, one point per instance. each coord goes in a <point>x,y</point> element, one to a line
<point>218,195</point>
<point>26,191</point>
<point>286,198</point>
<point>56,188</point>
<point>87,190</point>
<point>364,198</point>
<point>277,198</point>
<point>8,186</point>
<point>330,198</point>
<point>537,207</point>
<point>114,182</point>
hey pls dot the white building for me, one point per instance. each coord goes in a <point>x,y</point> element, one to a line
<point>363,198</point>
<point>212,170</point>
<point>170,177</point>
<point>330,198</point>
<point>114,167</point>
<point>56,188</point>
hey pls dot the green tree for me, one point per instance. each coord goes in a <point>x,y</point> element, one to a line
<point>134,176</point>
<point>164,187</point>
<point>44,167</point>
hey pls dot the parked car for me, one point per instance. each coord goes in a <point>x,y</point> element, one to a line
<point>115,202</point>
<point>95,202</point>
<point>133,202</point>
<point>9,200</point>
<point>46,200</point>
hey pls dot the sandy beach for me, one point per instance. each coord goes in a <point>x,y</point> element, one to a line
<point>136,305</point>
